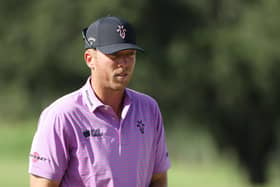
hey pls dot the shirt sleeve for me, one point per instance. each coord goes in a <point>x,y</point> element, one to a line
<point>49,151</point>
<point>162,162</point>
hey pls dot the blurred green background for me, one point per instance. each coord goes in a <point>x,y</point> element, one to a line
<point>212,65</point>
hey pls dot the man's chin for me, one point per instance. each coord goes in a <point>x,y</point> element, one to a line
<point>119,87</point>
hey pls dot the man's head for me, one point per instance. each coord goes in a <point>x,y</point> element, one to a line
<point>110,53</point>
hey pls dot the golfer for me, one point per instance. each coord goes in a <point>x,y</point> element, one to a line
<point>104,134</point>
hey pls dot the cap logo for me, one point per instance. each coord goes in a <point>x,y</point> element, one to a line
<point>91,40</point>
<point>122,31</point>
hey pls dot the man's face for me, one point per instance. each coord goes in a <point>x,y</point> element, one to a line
<point>113,71</point>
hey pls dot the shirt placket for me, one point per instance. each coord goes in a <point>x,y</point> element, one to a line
<point>122,127</point>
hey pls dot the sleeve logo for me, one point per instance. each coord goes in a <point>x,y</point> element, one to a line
<point>36,157</point>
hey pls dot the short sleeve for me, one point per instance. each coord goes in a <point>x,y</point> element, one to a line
<point>162,161</point>
<point>49,151</point>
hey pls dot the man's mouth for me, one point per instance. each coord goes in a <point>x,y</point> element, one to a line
<point>121,74</point>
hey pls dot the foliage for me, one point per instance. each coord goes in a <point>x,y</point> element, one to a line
<point>210,62</point>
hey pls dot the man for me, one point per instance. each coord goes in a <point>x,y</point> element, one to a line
<point>104,134</point>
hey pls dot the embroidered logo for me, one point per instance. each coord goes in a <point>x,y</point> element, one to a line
<point>93,133</point>
<point>91,40</point>
<point>122,31</point>
<point>141,126</point>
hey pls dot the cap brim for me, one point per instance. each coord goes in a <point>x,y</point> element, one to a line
<point>110,49</point>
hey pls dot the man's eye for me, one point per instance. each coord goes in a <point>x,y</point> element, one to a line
<point>113,56</point>
<point>116,56</point>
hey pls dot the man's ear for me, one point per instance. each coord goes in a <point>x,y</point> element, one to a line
<point>89,58</point>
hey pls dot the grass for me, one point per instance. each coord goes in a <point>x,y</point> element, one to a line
<point>15,174</point>
<point>222,175</point>
<point>195,162</point>
<point>15,140</point>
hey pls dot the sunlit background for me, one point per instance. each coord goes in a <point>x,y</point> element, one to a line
<point>212,65</point>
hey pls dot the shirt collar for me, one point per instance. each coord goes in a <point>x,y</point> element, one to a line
<point>90,98</point>
<point>94,103</point>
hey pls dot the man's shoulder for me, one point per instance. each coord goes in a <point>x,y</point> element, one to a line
<point>141,97</point>
<point>55,116</point>
<point>65,104</point>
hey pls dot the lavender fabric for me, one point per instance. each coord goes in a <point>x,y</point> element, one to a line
<point>82,143</point>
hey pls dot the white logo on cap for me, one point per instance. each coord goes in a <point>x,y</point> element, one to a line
<point>91,40</point>
<point>122,31</point>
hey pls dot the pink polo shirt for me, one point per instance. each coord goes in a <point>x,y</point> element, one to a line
<point>80,142</point>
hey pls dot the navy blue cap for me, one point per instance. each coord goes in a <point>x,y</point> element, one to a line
<point>109,35</point>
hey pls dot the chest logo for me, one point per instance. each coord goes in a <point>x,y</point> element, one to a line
<point>93,133</point>
<point>141,126</point>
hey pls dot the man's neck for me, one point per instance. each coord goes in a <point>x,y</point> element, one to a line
<point>113,98</point>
